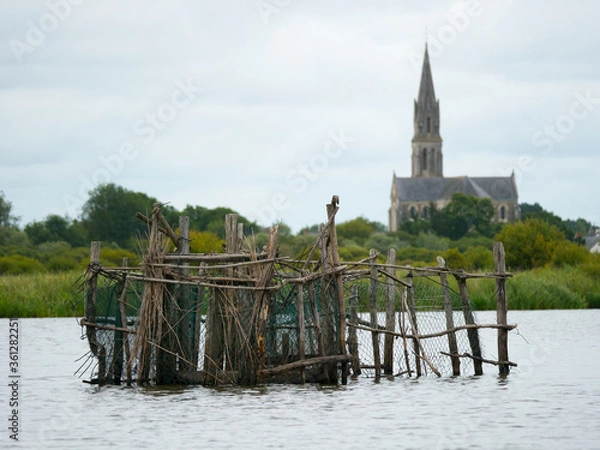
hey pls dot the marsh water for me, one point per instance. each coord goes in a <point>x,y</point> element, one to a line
<point>552,400</point>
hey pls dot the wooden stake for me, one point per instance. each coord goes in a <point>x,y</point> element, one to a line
<point>390,317</point>
<point>412,318</point>
<point>449,319</point>
<point>186,329</point>
<point>301,328</point>
<point>90,310</point>
<point>501,307</point>
<point>332,209</point>
<point>373,312</point>
<point>472,333</point>
<point>352,336</point>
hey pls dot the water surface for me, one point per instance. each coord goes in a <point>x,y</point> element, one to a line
<point>552,400</point>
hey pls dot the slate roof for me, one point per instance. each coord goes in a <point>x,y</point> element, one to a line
<point>432,189</point>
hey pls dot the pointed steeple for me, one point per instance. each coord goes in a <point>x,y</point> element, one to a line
<point>427,142</point>
<point>427,114</point>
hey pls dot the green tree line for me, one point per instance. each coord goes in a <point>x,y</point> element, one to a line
<point>462,233</point>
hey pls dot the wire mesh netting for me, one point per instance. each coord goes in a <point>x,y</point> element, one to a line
<point>303,323</point>
<point>430,319</point>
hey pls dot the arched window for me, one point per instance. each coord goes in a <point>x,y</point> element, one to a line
<point>425,212</point>
<point>424,159</point>
<point>413,212</point>
<point>429,124</point>
<point>503,212</point>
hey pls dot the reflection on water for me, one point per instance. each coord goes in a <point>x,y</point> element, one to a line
<point>550,401</point>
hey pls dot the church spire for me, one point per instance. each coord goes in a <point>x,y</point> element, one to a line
<point>427,142</point>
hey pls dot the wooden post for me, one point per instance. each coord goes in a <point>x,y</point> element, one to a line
<point>316,318</point>
<point>301,328</point>
<point>166,339</point>
<point>332,209</point>
<point>285,347</point>
<point>373,313</point>
<point>403,327</point>
<point>453,347</point>
<point>120,321</point>
<point>90,310</point>
<point>199,309</point>
<point>229,305</point>
<point>412,316</point>
<point>390,316</point>
<point>187,321</point>
<point>472,333</point>
<point>501,308</point>
<point>352,336</point>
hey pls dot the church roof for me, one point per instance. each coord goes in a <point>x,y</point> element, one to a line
<point>432,189</point>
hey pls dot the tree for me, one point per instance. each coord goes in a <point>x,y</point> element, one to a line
<point>56,228</point>
<point>358,229</point>
<point>6,217</point>
<point>464,214</point>
<point>109,214</point>
<point>531,243</point>
<point>213,220</point>
<point>535,211</point>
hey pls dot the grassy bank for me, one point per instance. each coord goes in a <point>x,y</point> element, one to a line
<point>40,295</point>
<point>54,294</point>
<point>544,288</point>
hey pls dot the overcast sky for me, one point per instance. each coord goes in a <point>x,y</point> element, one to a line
<point>271,106</point>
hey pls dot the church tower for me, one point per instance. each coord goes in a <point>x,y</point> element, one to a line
<point>427,159</point>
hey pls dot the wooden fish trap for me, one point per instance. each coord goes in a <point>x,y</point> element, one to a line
<point>247,316</point>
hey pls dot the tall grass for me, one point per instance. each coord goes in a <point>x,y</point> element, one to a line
<point>40,295</point>
<point>55,295</point>
<point>543,288</point>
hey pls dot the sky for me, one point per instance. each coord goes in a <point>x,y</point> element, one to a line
<point>270,107</point>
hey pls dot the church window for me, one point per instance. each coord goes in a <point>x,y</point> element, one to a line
<point>429,124</point>
<point>502,212</point>
<point>413,212</point>
<point>424,159</point>
<point>425,212</point>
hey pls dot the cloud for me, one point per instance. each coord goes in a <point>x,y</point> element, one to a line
<point>272,93</point>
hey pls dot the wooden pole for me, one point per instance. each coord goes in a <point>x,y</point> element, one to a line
<point>453,347</point>
<point>199,310</point>
<point>403,327</point>
<point>90,310</point>
<point>373,313</point>
<point>501,308</point>
<point>186,329</point>
<point>412,317</point>
<point>352,335</point>
<point>119,335</point>
<point>390,316</point>
<point>301,328</point>
<point>472,333</point>
<point>316,318</point>
<point>229,304</point>
<point>332,209</point>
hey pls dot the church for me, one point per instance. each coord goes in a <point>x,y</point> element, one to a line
<point>412,197</point>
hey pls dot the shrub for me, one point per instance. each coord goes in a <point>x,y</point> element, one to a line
<point>455,259</point>
<point>113,257</point>
<point>570,254</point>
<point>479,258</point>
<point>60,263</point>
<point>18,264</point>
<point>530,244</point>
